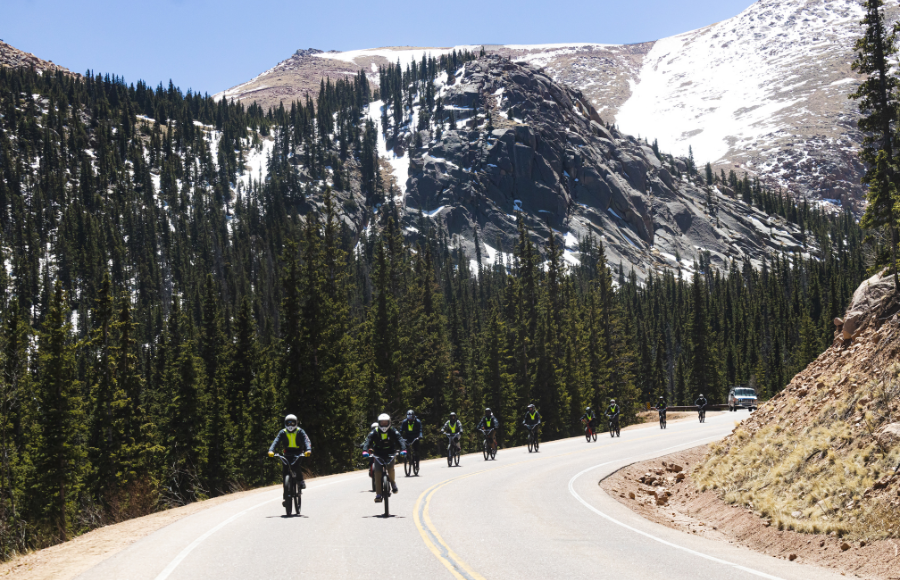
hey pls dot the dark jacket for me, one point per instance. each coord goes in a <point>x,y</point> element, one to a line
<point>410,434</point>
<point>495,424</point>
<point>662,406</point>
<point>458,428</point>
<point>384,444</point>
<point>532,419</point>
<point>589,417</point>
<point>301,442</point>
<point>613,410</point>
<point>701,402</point>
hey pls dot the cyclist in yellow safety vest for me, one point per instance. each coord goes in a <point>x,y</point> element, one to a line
<point>294,442</point>
<point>532,417</point>
<point>490,425</point>
<point>411,430</point>
<point>453,427</point>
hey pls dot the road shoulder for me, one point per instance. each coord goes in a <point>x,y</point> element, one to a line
<point>663,491</point>
<point>69,559</point>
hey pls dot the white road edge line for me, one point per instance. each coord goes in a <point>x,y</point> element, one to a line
<point>167,571</point>
<point>651,536</point>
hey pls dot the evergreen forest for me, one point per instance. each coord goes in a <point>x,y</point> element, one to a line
<point>162,307</point>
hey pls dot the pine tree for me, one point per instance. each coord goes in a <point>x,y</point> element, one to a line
<point>59,460</point>
<point>878,105</point>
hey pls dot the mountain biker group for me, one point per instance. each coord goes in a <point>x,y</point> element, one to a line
<point>384,441</point>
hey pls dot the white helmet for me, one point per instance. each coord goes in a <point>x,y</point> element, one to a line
<point>290,423</point>
<point>384,422</point>
<point>374,425</point>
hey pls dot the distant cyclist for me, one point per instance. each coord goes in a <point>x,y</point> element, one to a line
<point>411,430</point>
<point>487,423</point>
<point>294,442</point>
<point>532,418</point>
<point>612,413</point>
<point>590,417</point>
<point>384,442</point>
<point>701,404</point>
<point>662,406</point>
<point>453,427</point>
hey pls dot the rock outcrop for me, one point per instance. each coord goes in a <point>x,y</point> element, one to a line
<point>551,159</point>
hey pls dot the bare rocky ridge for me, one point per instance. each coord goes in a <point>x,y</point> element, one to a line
<point>12,57</point>
<point>764,92</point>
<point>553,159</point>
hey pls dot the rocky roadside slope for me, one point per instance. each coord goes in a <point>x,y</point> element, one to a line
<point>823,456</point>
<point>551,159</point>
<point>814,474</point>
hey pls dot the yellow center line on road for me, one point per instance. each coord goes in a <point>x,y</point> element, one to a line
<point>433,540</point>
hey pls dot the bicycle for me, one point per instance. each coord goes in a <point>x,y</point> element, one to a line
<point>662,419</point>
<point>589,432</point>
<point>453,449</point>
<point>702,412</point>
<point>292,491</point>
<point>614,429</point>
<point>533,443</point>
<point>411,463</point>
<point>489,447</point>
<point>385,480</point>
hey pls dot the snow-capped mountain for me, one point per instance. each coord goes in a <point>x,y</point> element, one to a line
<point>764,92</point>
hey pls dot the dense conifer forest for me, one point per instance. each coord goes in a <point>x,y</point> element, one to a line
<point>163,308</point>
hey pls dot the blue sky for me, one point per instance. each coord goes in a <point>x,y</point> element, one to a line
<point>212,45</point>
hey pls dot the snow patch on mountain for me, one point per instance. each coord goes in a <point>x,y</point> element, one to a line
<point>736,84</point>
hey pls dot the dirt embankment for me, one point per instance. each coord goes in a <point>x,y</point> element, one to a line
<point>664,491</point>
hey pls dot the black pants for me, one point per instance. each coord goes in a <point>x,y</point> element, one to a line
<point>298,473</point>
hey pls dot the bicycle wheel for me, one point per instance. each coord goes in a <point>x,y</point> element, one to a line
<point>386,491</point>
<point>530,443</point>
<point>450,456</point>
<point>594,434</point>
<point>407,466</point>
<point>297,498</point>
<point>487,453</point>
<point>456,457</point>
<point>612,430</point>
<point>287,495</point>
<point>416,465</point>
<point>587,434</point>
<point>493,452</point>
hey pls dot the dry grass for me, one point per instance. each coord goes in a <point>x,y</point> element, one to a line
<point>816,476</point>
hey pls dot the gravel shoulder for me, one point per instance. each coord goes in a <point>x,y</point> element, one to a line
<point>69,559</point>
<point>668,496</point>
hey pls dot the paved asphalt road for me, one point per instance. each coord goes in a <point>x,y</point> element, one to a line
<point>523,516</point>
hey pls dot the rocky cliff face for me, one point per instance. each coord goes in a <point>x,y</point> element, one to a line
<point>553,161</point>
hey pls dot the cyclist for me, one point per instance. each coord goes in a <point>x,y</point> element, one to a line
<point>384,442</point>
<point>612,413</point>
<point>411,429</point>
<point>661,406</point>
<point>453,427</point>
<point>294,442</point>
<point>532,420</point>
<point>590,417</point>
<point>490,422</point>
<point>701,403</point>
